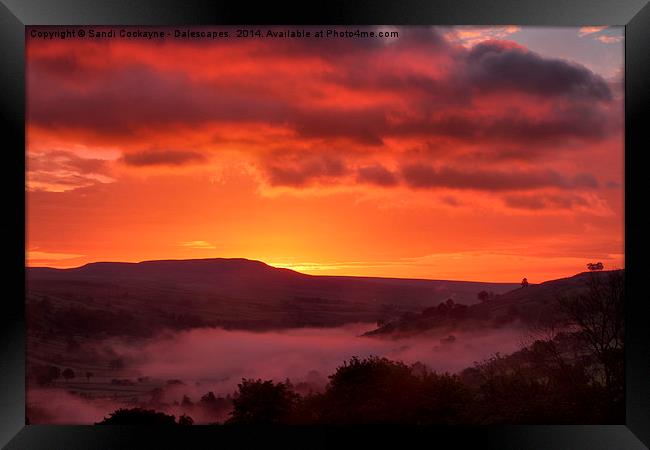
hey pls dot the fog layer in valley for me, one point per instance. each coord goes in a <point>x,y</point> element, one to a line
<point>214,359</point>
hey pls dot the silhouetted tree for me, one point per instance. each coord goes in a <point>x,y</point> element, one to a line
<point>185,420</point>
<point>524,283</point>
<point>46,374</point>
<point>68,374</point>
<point>534,386</point>
<point>378,390</point>
<point>483,296</point>
<point>594,267</point>
<point>140,416</point>
<point>214,405</point>
<point>260,402</point>
<point>442,399</point>
<point>369,390</point>
<point>598,315</point>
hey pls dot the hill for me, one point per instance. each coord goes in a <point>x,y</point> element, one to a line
<point>528,305</point>
<point>142,298</point>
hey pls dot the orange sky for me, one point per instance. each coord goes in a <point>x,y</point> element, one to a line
<point>458,153</point>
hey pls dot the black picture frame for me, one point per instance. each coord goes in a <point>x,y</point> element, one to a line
<point>16,14</point>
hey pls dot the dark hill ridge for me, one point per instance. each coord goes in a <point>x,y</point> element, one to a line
<point>141,298</point>
<point>527,305</point>
<point>242,278</point>
<point>194,274</point>
<point>196,270</point>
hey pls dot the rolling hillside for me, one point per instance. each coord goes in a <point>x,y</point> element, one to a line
<point>233,293</point>
<point>76,317</point>
<point>526,305</point>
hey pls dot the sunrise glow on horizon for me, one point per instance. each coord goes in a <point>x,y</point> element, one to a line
<point>459,153</point>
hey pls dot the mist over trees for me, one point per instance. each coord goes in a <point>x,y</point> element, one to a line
<point>570,369</point>
<point>571,372</point>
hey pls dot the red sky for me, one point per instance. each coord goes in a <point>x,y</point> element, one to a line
<point>465,153</point>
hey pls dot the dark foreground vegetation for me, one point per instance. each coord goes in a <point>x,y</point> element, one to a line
<point>141,416</point>
<point>571,372</point>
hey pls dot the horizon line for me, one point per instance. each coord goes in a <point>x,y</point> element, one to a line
<point>27,266</point>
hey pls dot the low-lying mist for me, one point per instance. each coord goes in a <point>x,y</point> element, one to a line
<point>221,357</point>
<point>214,359</point>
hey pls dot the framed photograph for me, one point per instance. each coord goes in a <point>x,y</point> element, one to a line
<point>378,223</point>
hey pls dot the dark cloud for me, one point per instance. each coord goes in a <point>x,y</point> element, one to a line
<point>365,126</point>
<point>122,100</point>
<point>377,175</point>
<point>65,67</point>
<point>513,127</point>
<point>162,158</point>
<point>586,180</point>
<point>302,171</point>
<point>577,122</point>
<point>118,98</point>
<point>492,65</point>
<point>427,176</point>
<point>539,202</point>
<point>492,154</point>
